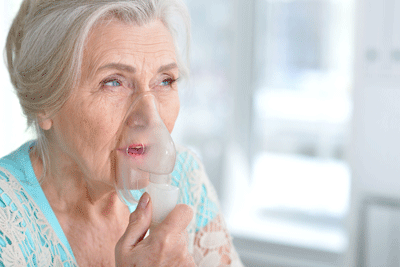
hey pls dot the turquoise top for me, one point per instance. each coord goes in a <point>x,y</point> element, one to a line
<point>30,234</point>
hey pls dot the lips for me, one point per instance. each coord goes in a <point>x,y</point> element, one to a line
<point>135,150</point>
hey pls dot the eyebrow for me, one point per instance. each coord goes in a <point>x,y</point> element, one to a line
<point>118,66</point>
<point>127,68</point>
<point>169,66</point>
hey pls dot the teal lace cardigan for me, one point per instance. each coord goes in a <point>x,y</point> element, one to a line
<point>30,234</point>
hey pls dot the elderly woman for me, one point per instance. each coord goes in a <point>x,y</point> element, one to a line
<point>77,65</point>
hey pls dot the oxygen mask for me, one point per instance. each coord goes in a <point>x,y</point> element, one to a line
<point>147,158</point>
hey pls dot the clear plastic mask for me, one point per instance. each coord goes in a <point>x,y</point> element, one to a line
<point>150,155</point>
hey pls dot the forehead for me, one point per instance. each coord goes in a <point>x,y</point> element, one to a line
<point>147,46</point>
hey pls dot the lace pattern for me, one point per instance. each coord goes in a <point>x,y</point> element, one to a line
<point>209,240</point>
<point>26,237</point>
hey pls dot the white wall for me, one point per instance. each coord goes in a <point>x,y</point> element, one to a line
<point>375,157</point>
<point>12,122</point>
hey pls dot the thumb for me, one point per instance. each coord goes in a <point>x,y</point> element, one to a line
<point>139,223</point>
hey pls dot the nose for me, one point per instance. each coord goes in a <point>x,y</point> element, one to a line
<point>143,125</point>
<point>143,112</point>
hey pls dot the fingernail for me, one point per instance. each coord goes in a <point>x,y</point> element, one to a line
<point>144,201</point>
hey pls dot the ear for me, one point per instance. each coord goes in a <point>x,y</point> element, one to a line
<point>44,121</point>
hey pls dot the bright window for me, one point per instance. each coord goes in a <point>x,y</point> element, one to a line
<point>293,185</point>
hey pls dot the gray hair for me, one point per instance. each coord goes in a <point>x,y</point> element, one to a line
<point>46,41</point>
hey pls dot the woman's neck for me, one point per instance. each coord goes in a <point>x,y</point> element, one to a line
<point>68,191</point>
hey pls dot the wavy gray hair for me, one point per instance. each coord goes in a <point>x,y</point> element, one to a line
<point>46,41</point>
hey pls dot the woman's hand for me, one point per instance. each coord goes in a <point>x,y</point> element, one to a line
<point>166,245</point>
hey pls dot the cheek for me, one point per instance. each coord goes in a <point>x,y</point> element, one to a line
<point>170,114</point>
<point>101,128</point>
<point>88,129</point>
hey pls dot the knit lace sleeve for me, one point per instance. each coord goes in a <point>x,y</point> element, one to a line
<point>209,240</point>
<point>26,237</point>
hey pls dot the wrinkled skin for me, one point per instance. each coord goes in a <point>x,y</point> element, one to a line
<point>120,62</point>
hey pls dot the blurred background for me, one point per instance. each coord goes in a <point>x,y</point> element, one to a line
<point>293,106</point>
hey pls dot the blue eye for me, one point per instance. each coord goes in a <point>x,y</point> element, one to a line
<point>167,82</point>
<point>112,83</point>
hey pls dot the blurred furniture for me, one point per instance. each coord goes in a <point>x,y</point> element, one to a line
<point>379,232</point>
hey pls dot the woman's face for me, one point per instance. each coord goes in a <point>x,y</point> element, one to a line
<point>120,62</point>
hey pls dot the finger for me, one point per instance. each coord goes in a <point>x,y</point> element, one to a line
<point>179,218</point>
<point>139,222</point>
